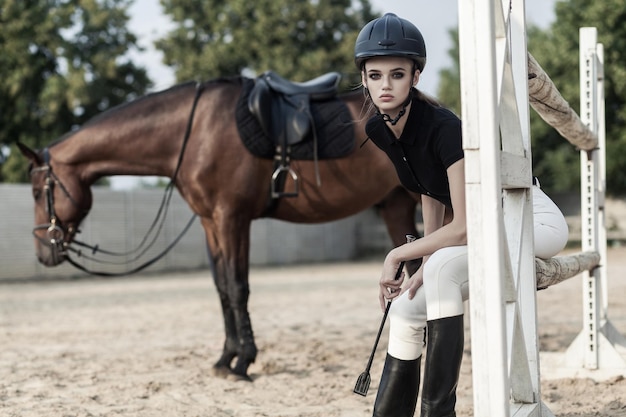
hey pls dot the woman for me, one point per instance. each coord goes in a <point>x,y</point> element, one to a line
<point>423,140</point>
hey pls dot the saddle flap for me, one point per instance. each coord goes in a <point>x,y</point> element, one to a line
<point>286,119</point>
<point>260,105</point>
<point>292,118</point>
<point>298,127</point>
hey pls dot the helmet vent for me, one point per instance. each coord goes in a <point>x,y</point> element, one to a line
<point>386,42</point>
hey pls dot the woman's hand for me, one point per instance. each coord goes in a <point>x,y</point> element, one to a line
<point>414,282</point>
<point>389,287</point>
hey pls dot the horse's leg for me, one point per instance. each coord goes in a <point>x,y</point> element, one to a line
<point>398,211</point>
<point>222,366</point>
<point>229,243</point>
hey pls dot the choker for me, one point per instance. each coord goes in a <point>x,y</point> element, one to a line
<point>393,121</point>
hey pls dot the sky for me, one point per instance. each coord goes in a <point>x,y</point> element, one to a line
<point>433,18</point>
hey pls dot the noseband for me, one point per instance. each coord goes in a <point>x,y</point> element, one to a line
<point>55,235</point>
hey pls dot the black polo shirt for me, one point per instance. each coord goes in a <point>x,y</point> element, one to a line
<point>430,142</point>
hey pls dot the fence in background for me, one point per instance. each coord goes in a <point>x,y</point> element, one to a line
<point>120,219</point>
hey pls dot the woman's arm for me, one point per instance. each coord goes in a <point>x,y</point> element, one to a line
<point>436,234</point>
<point>433,214</point>
<point>451,234</point>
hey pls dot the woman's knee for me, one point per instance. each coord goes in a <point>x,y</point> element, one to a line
<point>445,282</point>
<point>409,311</point>
<point>447,263</point>
<point>407,320</point>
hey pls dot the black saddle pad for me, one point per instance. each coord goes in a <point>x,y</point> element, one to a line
<point>333,125</point>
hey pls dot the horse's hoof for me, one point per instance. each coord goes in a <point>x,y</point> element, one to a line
<point>237,377</point>
<point>225,372</point>
<point>221,371</point>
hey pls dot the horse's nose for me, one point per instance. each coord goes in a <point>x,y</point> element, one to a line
<point>44,260</point>
<point>48,256</point>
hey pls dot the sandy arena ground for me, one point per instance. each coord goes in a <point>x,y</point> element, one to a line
<point>144,346</point>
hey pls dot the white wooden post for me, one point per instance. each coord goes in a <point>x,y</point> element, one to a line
<point>496,141</point>
<point>477,60</point>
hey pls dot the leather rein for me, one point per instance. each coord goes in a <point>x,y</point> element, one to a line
<point>55,237</point>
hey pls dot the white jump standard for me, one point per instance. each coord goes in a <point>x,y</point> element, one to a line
<point>504,274</point>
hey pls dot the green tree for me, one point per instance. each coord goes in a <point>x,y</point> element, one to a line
<point>449,88</point>
<point>299,39</point>
<point>556,49</point>
<point>62,62</point>
<point>552,154</point>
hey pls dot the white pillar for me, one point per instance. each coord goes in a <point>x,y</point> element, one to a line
<point>496,141</point>
<point>599,350</point>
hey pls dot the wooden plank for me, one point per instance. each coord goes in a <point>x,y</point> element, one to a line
<point>558,269</point>
<point>546,100</point>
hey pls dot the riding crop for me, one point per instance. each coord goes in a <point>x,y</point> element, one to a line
<point>363,382</point>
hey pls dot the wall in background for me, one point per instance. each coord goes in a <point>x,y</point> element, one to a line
<point>119,220</point>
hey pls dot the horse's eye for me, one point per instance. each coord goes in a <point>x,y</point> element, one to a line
<point>36,194</point>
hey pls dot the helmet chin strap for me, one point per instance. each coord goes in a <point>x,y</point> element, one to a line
<point>388,118</point>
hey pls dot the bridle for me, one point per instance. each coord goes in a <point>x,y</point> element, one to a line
<point>55,236</point>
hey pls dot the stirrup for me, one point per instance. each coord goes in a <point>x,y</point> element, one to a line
<point>276,177</point>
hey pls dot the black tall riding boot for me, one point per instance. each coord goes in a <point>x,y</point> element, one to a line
<point>443,365</point>
<point>398,389</point>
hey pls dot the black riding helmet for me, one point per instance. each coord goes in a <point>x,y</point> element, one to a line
<point>390,35</point>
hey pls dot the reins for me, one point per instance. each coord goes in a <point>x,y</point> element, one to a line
<point>156,226</point>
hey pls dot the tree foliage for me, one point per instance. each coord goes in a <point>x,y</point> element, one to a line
<point>556,49</point>
<point>299,39</point>
<point>62,62</point>
<point>449,88</point>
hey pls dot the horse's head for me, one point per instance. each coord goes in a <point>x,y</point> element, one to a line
<point>61,202</point>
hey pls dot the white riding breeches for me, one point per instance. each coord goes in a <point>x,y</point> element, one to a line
<point>551,230</point>
<point>442,295</point>
<point>445,286</point>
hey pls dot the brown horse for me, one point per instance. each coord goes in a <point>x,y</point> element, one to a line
<point>223,183</point>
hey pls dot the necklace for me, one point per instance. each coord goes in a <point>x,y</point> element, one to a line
<point>393,121</point>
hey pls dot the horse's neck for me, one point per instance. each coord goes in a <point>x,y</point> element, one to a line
<point>127,153</point>
<point>142,139</point>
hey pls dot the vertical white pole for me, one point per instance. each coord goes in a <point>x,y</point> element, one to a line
<point>484,209</point>
<point>595,348</point>
<point>601,184</point>
<point>589,197</point>
<point>524,371</point>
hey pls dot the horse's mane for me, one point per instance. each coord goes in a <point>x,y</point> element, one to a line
<point>157,94</point>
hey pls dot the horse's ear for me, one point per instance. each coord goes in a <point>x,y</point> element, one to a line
<point>29,153</point>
